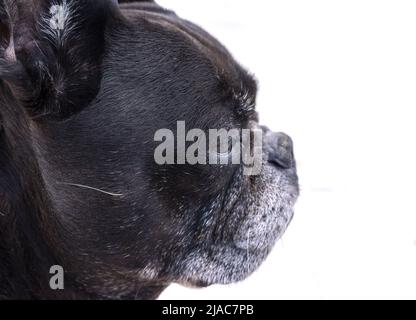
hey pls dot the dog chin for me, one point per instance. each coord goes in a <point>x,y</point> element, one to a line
<point>223,264</point>
<point>255,221</point>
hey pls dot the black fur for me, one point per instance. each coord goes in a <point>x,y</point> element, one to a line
<point>83,111</point>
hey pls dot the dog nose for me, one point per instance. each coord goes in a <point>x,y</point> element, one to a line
<point>280,149</point>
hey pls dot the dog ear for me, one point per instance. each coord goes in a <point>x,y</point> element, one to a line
<point>51,52</point>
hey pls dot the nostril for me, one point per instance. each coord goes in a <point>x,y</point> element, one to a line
<point>280,149</point>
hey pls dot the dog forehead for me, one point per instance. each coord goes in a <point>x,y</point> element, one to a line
<point>168,23</point>
<point>238,84</point>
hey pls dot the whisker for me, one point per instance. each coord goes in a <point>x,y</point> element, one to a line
<point>91,188</point>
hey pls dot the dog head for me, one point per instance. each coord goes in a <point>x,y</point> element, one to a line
<point>85,85</point>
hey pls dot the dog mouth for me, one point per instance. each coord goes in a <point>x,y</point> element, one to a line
<point>268,213</point>
<point>261,211</point>
<point>257,209</point>
<point>255,213</point>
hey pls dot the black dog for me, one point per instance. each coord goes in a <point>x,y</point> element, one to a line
<point>84,87</point>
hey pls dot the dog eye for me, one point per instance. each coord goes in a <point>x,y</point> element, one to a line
<point>224,156</point>
<point>224,153</point>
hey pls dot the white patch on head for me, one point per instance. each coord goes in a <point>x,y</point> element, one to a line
<point>59,15</point>
<point>58,23</point>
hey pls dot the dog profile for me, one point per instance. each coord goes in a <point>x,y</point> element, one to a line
<point>84,87</point>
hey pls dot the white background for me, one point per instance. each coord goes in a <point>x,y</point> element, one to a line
<point>340,78</point>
